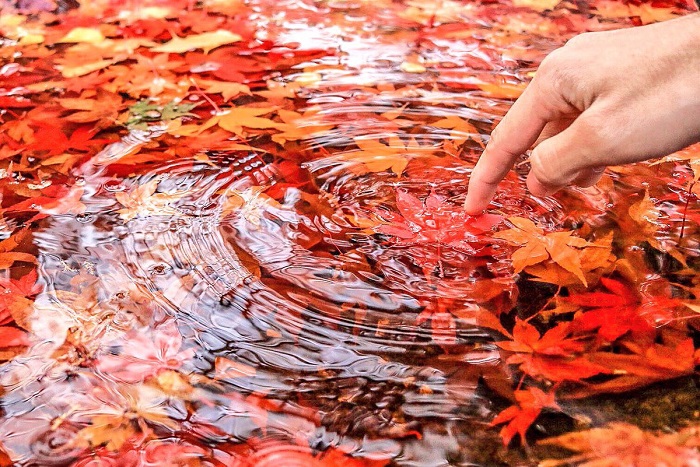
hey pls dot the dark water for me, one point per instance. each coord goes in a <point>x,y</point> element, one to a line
<point>255,300</point>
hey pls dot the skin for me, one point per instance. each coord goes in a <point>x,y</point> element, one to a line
<point>605,98</point>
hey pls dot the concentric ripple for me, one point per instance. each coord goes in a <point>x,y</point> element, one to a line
<point>235,295</point>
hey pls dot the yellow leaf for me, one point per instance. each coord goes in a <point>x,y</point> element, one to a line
<point>644,11</point>
<point>205,41</point>
<point>83,35</point>
<point>297,127</point>
<point>378,157</point>
<point>109,430</point>
<point>411,67</point>
<point>226,89</point>
<point>537,5</point>
<point>559,245</point>
<point>461,129</point>
<point>29,39</point>
<point>145,201</point>
<point>143,12</point>
<point>81,70</point>
<point>503,90</point>
<point>236,118</point>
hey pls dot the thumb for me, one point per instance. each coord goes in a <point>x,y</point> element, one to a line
<point>564,158</point>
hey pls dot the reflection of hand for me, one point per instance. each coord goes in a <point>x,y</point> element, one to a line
<point>605,98</point>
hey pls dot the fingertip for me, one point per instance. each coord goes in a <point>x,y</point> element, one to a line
<point>480,191</point>
<point>475,203</point>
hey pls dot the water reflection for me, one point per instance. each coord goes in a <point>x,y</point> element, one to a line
<point>230,300</point>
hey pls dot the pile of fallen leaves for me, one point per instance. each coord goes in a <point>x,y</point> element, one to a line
<point>329,145</point>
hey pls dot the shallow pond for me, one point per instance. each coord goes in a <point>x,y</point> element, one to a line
<point>232,235</point>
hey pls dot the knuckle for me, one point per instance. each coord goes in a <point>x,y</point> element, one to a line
<point>580,40</point>
<point>543,171</point>
<point>553,73</point>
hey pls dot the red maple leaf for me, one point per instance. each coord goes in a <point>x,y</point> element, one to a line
<point>15,293</point>
<point>144,355</point>
<point>646,364</point>
<point>520,416</point>
<point>552,356</point>
<point>54,140</point>
<point>435,221</point>
<point>12,337</point>
<point>620,310</point>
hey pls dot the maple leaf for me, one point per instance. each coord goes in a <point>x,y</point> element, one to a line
<point>297,126</point>
<point>205,41</point>
<point>51,200</point>
<point>54,141</point>
<point>690,155</point>
<point>536,246</point>
<point>173,454</point>
<point>103,109</point>
<point>434,220</point>
<point>15,296</point>
<point>461,129</point>
<point>144,201</point>
<point>537,5</point>
<point>123,412</point>
<point>8,255</point>
<point>225,368</point>
<point>19,130</point>
<point>376,156</point>
<point>552,356</point>
<point>143,112</point>
<point>235,119</point>
<point>594,263</point>
<point>620,310</point>
<point>502,90</point>
<point>252,204</point>
<point>648,226</point>
<point>13,342</point>
<point>272,452</point>
<point>110,431</point>
<point>83,35</point>
<point>519,417</point>
<point>645,365</point>
<point>645,12</point>
<point>143,355</point>
<point>13,337</point>
<point>227,90</point>
<point>619,444</point>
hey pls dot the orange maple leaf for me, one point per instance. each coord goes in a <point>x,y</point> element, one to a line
<point>552,355</point>
<point>620,444</point>
<point>536,246</point>
<point>235,119</point>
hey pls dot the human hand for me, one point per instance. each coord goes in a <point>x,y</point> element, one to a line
<point>605,98</point>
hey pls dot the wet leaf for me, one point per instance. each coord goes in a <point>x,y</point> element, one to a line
<point>205,41</point>
<point>626,444</point>
<point>537,246</point>
<point>144,201</point>
<point>518,418</point>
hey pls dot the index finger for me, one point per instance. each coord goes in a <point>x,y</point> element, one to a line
<point>513,136</point>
